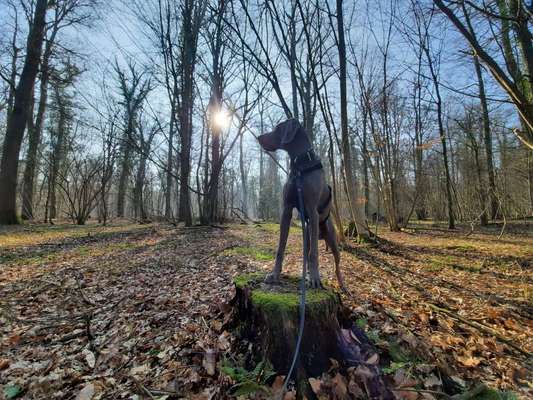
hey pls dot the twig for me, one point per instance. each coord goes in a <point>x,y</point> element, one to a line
<point>160,392</point>
<point>482,328</point>
<point>142,387</point>
<point>423,391</point>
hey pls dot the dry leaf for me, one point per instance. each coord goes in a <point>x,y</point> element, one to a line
<point>140,370</point>
<point>86,393</point>
<point>89,358</point>
<point>315,385</point>
<point>209,362</point>
<point>469,361</point>
<point>277,385</point>
<point>340,388</point>
<point>291,395</point>
<point>432,381</point>
<point>4,363</point>
<point>373,360</point>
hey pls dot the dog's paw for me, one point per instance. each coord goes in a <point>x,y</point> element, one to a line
<point>315,283</point>
<point>272,278</point>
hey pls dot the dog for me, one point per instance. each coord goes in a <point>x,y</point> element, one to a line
<point>291,137</point>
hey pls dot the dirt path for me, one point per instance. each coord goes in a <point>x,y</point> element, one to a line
<point>135,309</point>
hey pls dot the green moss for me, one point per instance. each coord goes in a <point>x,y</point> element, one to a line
<point>246,279</point>
<point>287,301</point>
<point>285,297</point>
<point>253,252</point>
<point>492,394</point>
<point>461,247</point>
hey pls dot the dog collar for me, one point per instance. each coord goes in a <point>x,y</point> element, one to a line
<point>305,163</point>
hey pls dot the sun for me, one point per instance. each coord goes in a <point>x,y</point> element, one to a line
<point>221,119</point>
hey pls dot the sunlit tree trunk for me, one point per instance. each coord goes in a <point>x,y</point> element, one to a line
<point>18,118</point>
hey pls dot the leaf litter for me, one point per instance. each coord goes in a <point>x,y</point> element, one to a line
<point>143,312</point>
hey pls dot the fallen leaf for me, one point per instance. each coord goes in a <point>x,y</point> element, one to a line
<point>4,363</point>
<point>340,388</point>
<point>277,385</point>
<point>291,395</point>
<point>469,361</point>
<point>86,393</point>
<point>406,394</point>
<point>373,359</point>
<point>432,381</point>
<point>315,385</point>
<point>209,361</point>
<point>89,357</point>
<point>140,370</point>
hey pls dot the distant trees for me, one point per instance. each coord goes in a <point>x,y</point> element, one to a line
<point>399,138</point>
<point>134,86</point>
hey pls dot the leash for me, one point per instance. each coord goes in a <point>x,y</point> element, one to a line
<point>305,232</point>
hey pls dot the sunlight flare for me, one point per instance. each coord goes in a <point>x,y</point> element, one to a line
<point>221,119</point>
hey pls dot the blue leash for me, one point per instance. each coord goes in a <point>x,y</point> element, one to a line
<point>305,232</point>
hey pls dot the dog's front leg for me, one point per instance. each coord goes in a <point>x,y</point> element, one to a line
<point>284,226</point>
<point>314,274</point>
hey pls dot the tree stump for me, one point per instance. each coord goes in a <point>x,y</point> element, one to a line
<point>269,315</point>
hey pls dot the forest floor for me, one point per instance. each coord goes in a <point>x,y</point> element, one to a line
<point>141,311</point>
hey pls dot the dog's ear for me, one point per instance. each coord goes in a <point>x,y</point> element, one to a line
<point>288,130</point>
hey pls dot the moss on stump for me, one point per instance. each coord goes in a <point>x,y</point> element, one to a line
<point>269,318</point>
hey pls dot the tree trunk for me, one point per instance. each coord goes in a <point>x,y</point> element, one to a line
<point>530,179</point>
<point>244,177</point>
<point>34,135</point>
<point>170,158</point>
<point>18,118</point>
<point>190,29</point>
<point>268,316</point>
<point>58,151</point>
<point>362,228</point>
<point>442,135</point>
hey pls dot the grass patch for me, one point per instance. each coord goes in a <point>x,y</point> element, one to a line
<point>461,247</point>
<point>438,263</point>
<point>251,251</point>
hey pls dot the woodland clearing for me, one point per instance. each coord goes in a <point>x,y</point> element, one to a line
<point>143,310</point>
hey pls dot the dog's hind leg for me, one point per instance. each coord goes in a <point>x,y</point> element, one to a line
<point>331,241</point>
<point>284,226</point>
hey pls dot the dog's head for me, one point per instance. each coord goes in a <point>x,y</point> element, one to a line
<point>282,135</point>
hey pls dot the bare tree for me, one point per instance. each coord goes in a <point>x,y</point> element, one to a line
<point>512,15</point>
<point>352,188</point>
<point>65,13</point>
<point>134,87</point>
<point>18,118</point>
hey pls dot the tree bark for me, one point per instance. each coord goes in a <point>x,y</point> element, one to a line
<point>362,228</point>
<point>192,17</point>
<point>18,118</point>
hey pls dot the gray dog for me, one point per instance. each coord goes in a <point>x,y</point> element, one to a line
<point>291,137</point>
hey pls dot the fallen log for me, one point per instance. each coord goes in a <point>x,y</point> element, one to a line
<point>268,317</point>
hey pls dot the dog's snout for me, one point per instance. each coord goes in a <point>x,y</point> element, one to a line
<point>266,142</point>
